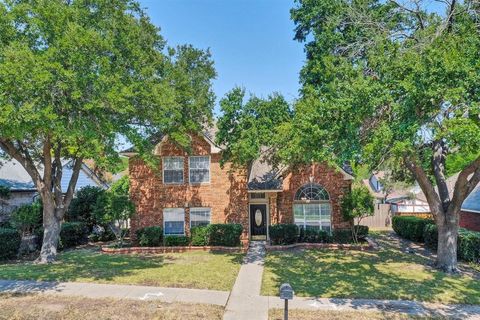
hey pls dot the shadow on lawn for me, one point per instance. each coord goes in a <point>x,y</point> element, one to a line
<point>386,274</point>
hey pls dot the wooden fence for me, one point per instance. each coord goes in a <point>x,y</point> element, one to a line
<point>382,217</point>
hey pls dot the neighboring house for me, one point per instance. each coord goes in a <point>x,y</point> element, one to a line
<point>22,188</point>
<point>470,213</point>
<point>188,190</point>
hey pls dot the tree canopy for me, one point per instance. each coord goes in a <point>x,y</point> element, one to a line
<point>390,83</point>
<point>76,75</point>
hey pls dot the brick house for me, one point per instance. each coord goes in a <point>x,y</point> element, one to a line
<point>190,189</point>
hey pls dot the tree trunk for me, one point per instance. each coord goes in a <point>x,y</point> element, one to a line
<point>52,221</point>
<point>447,244</point>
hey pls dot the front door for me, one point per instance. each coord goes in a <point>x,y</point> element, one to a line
<point>258,220</point>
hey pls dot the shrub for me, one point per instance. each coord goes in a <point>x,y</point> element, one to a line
<point>200,235</point>
<point>430,236</point>
<point>82,206</point>
<point>73,234</point>
<point>227,235</point>
<point>176,241</point>
<point>283,233</point>
<point>410,227</point>
<point>27,218</point>
<point>150,236</point>
<point>9,243</point>
<point>310,235</point>
<point>469,245</point>
<point>342,236</point>
<point>361,231</point>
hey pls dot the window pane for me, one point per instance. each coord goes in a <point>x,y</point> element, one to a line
<point>298,214</point>
<point>174,221</point>
<point>199,216</point>
<point>199,169</point>
<point>173,170</point>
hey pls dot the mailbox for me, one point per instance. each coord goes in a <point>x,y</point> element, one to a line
<point>286,291</point>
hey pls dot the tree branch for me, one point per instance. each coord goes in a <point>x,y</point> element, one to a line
<point>47,162</point>
<point>438,163</point>
<point>25,160</point>
<point>464,186</point>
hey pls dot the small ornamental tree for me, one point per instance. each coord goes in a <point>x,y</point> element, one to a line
<point>115,211</point>
<point>357,205</point>
<point>77,75</point>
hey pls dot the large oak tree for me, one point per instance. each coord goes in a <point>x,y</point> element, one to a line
<point>393,83</point>
<point>75,76</point>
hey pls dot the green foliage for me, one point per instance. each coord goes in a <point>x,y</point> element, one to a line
<point>456,162</point>
<point>311,235</point>
<point>357,204</point>
<point>283,234</point>
<point>82,207</point>
<point>176,241</point>
<point>430,236</point>
<point>342,236</point>
<point>362,231</point>
<point>410,227</point>
<point>9,243</point>
<point>73,234</point>
<point>469,245</point>
<point>27,218</point>
<point>245,126</point>
<point>150,236</point>
<point>227,235</point>
<point>200,235</point>
<point>121,186</point>
<point>5,192</point>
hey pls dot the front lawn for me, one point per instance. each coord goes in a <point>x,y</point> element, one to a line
<point>386,274</point>
<point>201,270</point>
<point>65,308</point>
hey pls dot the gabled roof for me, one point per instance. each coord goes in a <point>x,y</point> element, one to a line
<point>15,177</point>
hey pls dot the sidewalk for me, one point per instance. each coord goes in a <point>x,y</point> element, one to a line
<point>245,301</point>
<point>97,290</point>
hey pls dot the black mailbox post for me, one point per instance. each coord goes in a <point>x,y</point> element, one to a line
<point>286,293</point>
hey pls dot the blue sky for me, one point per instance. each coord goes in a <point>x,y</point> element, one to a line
<point>251,41</point>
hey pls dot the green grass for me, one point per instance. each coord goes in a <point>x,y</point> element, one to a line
<point>202,270</point>
<point>385,274</point>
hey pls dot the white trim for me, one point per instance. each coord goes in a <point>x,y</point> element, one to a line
<point>470,210</point>
<point>183,170</point>
<point>266,190</point>
<point>209,170</point>
<point>163,218</point>
<point>200,208</point>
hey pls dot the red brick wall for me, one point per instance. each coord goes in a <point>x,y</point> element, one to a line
<point>470,220</point>
<point>332,180</point>
<point>226,194</point>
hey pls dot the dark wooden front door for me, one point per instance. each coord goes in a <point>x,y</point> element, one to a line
<point>258,219</point>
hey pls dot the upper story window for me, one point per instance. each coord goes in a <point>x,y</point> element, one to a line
<point>199,169</point>
<point>172,170</point>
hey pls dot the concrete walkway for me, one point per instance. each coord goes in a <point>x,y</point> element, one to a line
<point>97,290</point>
<point>245,301</point>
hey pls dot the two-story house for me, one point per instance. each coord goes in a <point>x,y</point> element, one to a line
<point>191,189</point>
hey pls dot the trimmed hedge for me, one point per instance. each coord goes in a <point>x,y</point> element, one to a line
<point>310,235</point>
<point>362,232</point>
<point>468,245</point>
<point>283,234</point>
<point>199,236</point>
<point>176,241</point>
<point>430,236</point>
<point>410,227</point>
<point>342,236</point>
<point>9,243</point>
<point>150,236</point>
<point>72,234</point>
<point>227,235</point>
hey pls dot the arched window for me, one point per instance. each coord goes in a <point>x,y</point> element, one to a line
<point>312,208</point>
<point>311,192</point>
